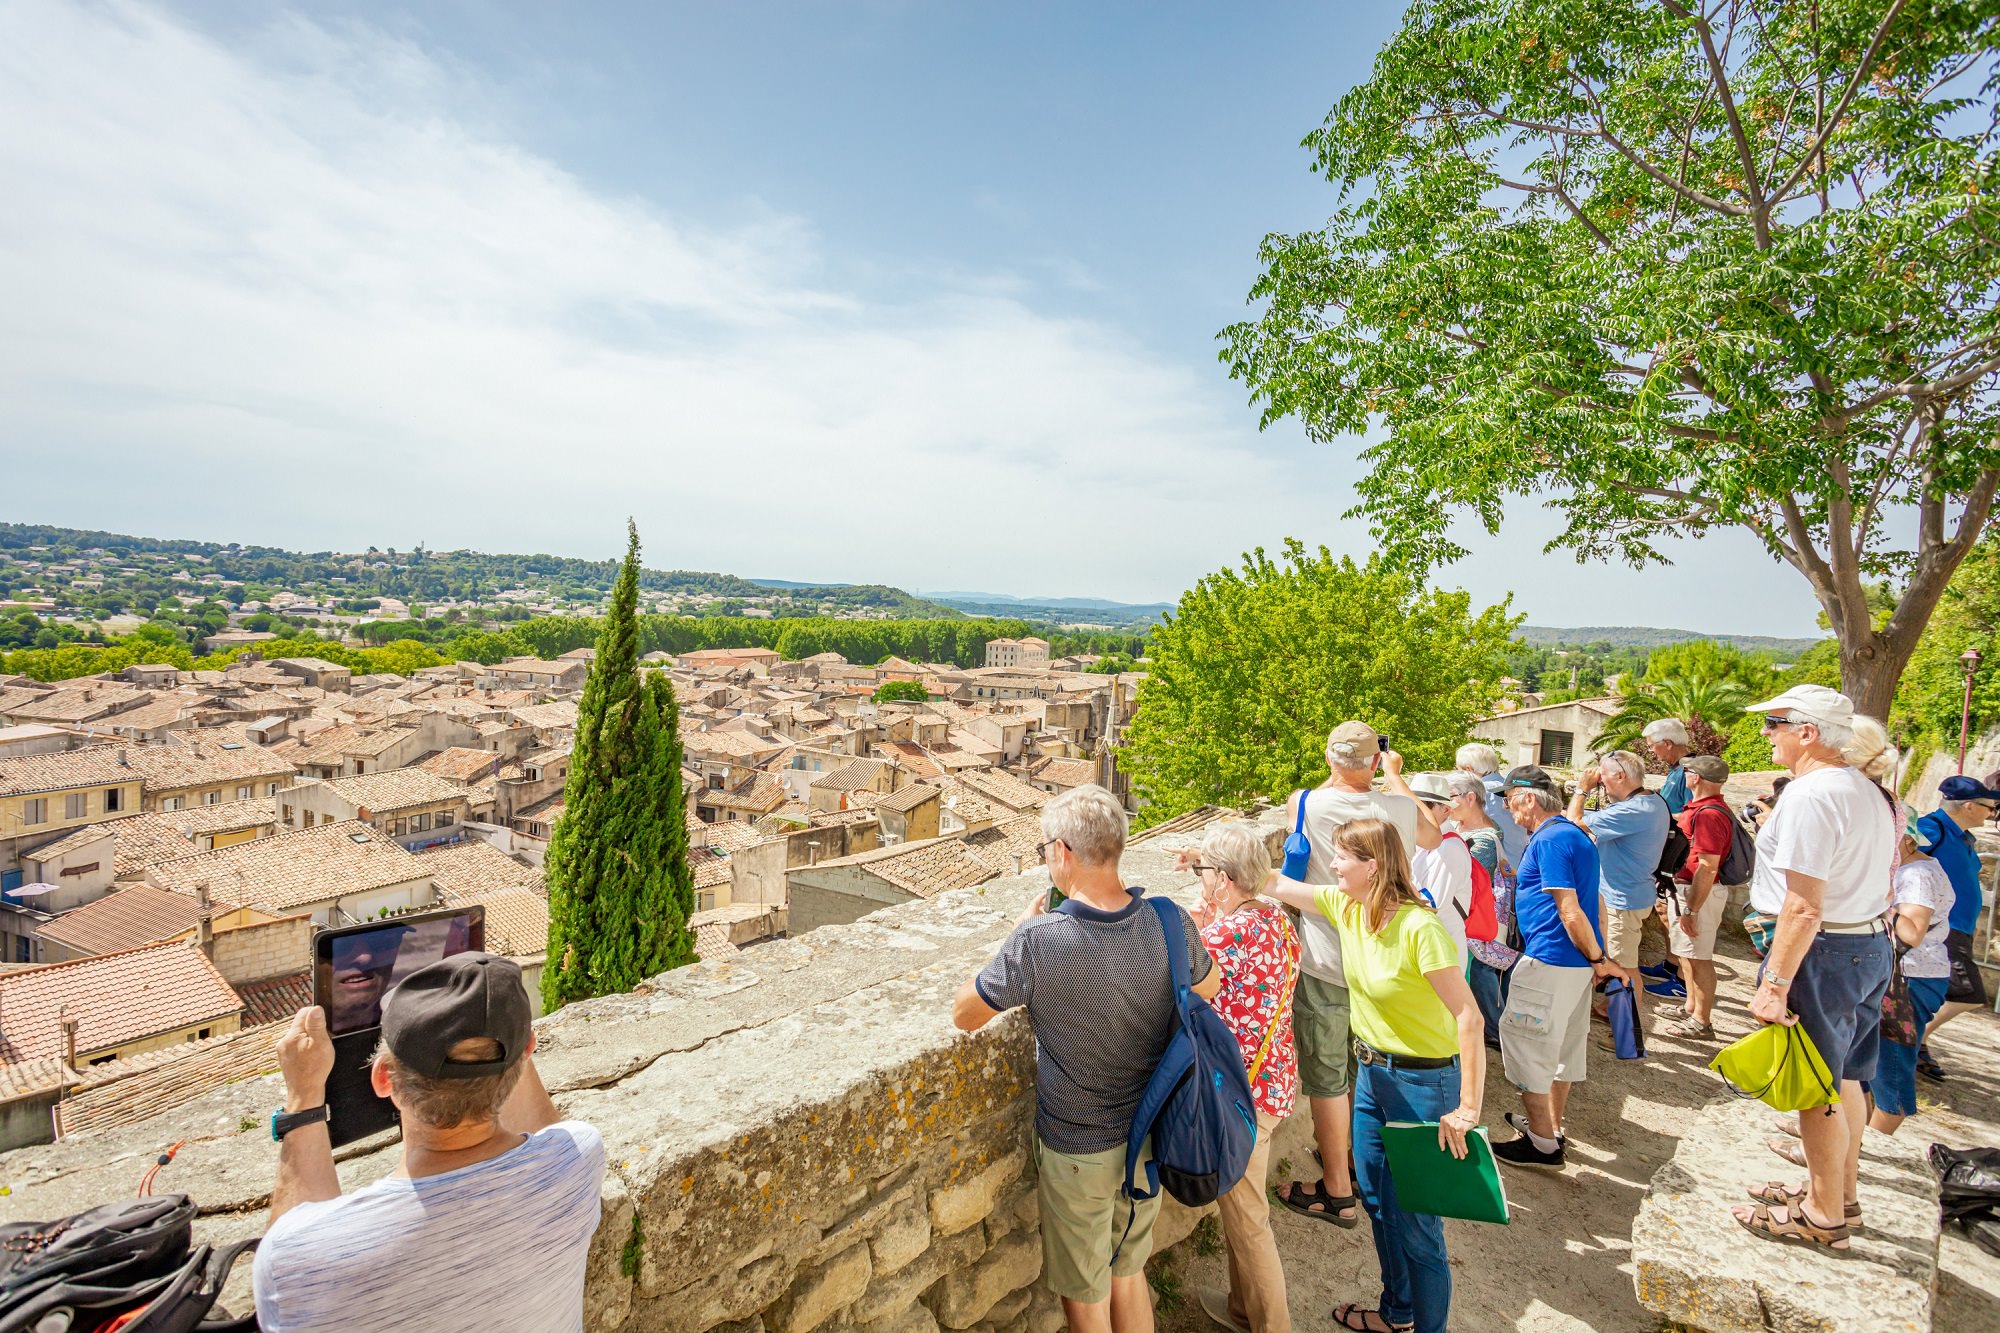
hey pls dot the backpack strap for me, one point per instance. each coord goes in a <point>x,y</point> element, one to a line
<point>1177,958</point>
<point>1299,824</point>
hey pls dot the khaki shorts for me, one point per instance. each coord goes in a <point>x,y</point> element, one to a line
<point>1706,922</point>
<point>1622,930</point>
<point>1083,1220</point>
<point>1545,1025</point>
<point>1319,1030</point>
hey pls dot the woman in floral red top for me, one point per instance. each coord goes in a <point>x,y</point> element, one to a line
<point>1257,952</point>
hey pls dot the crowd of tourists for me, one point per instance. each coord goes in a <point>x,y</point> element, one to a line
<point>1420,921</point>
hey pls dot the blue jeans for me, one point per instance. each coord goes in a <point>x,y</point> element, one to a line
<point>1489,992</point>
<point>1895,1081</point>
<point>1416,1279</point>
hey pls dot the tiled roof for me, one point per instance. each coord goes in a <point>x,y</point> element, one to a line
<point>45,1075</point>
<point>395,789</point>
<point>998,846</point>
<point>463,871</point>
<point>710,868</point>
<point>517,923</point>
<point>1194,819</point>
<point>1003,789</point>
<point>729,836</point>
<point>908,798</point>
<point>461,764</point>
<point>125,919</point>
<point>142,1086</point>
<point>561,714</point>
<point>860,773</point>
<point>711,941</point>
<point>97,766</point>
<point>226,817</point>
<point>194,763</point>
<point>760,796</point>
<point>142,841</point>
<point>371,743</point>
<point>925,868</point>
<point>78,705</point>
<point>115,998</point>
<point>294,869</point>
<point>275,999</point>
<point>1066,772</point>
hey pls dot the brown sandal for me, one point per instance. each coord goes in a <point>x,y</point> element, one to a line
<point>1346,1315</point>
<point>1794,1226</point>
<point>1775,1193</point>
<point>1792,1150</point>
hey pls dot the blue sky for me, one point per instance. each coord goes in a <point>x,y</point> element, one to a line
<point>917,294</point>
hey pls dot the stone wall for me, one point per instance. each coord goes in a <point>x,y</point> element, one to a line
<point>268,949</point>
<point>798,1137</point>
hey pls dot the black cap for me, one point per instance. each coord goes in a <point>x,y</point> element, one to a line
<point>1958,787</point>
<point>444,1003</point>
<point>1528,775</point>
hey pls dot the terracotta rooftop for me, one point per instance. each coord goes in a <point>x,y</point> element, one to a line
<point>461,764</point>
<point>851,777</point>
<point>908,798</point>
<point>925,868</point>
<point>115,998</point>
<point>141,841</point>
<point>463,871</point>
<point>227,817</point>
<point>128,918</point>
<point>139,1087</point>
<point>275,999</point>
<point>517,923</point>
<point>294,869</point>
<point>97,766</point>
<point>193,763</point>
<point>1003,789</point>
<point>395,789</point>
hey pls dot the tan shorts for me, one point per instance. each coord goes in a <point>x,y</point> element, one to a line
<point>1701,948</point>
<point>1545,1025</point>
<point>1083,1219</point>
<point>1622,930</point>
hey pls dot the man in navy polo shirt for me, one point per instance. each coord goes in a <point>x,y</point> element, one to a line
<point>1947,836</point>
<point>1545,1025</point>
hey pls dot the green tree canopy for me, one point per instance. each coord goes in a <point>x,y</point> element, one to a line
<point>908,691</point>
<point>1257,665</point>
<point>1709,707</point>
<point>1667,268</point>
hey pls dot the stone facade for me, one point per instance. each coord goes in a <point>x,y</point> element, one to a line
<point>799,1140</point>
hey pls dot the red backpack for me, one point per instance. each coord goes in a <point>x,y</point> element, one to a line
<point>1482,922</point>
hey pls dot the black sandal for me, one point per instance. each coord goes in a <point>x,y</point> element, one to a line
<point>1345,1315</point>
<point>1300,1198</point>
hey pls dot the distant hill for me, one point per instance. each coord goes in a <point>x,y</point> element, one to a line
<point>1057,610</point>
<point>1645,636</point>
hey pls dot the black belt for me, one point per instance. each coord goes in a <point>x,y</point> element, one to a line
<point>1368,1055</point>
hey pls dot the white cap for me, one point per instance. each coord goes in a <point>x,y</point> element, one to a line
<point>1814,703</point>
<point>1667,729</point>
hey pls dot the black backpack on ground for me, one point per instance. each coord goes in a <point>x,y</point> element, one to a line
<point>1969,1192</point>
<point>134,1259</point>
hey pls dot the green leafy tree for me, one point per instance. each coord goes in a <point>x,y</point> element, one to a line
<point>1667,268</point>
<point>906,691</point>
<point>1255,666</point>
<point>1708,707</point>
<point>620,891</point>
<point>1928,706</point>
<point>1707,659</point>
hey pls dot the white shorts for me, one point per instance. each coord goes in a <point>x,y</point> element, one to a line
<point>1707,922</point>
<point>1545,1027</point>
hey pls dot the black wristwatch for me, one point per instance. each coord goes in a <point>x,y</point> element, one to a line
<point>284,1122</point>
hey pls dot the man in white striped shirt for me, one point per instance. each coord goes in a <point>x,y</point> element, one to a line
<point>487,1221</point>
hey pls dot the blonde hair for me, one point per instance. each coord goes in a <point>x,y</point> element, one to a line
<point>1867,747</point>
<point>1390,885</point>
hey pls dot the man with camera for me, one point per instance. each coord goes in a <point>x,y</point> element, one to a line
<point>485,1223</point>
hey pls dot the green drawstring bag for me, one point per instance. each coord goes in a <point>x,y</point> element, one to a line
<point>1778,1065</point>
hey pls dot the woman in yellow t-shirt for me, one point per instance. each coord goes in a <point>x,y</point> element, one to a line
<point>1421,1046</point>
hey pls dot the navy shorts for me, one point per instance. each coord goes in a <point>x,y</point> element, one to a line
<point>1838,998</point>
<point>1967,985</point>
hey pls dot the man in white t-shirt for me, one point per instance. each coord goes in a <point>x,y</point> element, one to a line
<point>1319,1004</point>
<point>1823,870</point>
<point>1443,873</point>
<point>487,1221</point>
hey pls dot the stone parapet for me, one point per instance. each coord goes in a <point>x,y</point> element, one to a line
<point>798,1138</point>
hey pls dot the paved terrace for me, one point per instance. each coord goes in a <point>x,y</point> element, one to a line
<point>799,1140</point>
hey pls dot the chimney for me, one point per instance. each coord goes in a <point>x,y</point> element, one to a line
<point>204,926</point>
<point>1017,863</point>
<point>67,1021</point>
<point>123,762</point>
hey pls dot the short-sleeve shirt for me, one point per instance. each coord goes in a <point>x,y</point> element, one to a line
<point>1100,995</point>
<point>1328,810</point>
<point>1710,829</point>
<point>1837,826</point>
<point>1958,855</point>
<point>1486,847</point>
<point>1674,791</point>
<point>1258,952</point>
<point>498,1244</point>
<point>1444,880</point>
<point>1391,1004</point>
<point>1630,837</point>
<point>1560,856</point>
<point>1924,884</point>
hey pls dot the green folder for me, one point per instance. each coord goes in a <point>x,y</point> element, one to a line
<point>1430,1180</point>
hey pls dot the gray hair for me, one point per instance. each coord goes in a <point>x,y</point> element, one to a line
<point>1465,784</point>
<point>445,1103</point>
<point>1089,821</point>
<point>1477,757</point>
<point>1670,729</point>
<point>1549,801</point>
<point>1239,851</point>
<point>1626,763</point>
<point>1953,807</point>
<point>1864,743</point>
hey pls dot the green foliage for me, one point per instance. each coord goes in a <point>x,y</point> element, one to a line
<point>906,691</point>
<point>1968,616</point>
<point>1717,703</point>
<point>634,1252</point>
<point>1256,666</point>
<point>1207,1237</point>
<point>1663,269</point>
<point>1707,659</point>
<point>620,891</point>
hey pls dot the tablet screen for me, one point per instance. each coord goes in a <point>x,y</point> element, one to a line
<point>355,968</point>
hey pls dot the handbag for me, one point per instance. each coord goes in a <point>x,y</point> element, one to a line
<point>1899,1013</point>
<point>1778,1066</point>
<point>1628,1034</point>
<point>1298,847</point>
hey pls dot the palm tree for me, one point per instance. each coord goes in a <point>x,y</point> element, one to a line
<point>1693,699</point>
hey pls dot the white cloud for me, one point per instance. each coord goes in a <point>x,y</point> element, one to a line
<point>299,290</point>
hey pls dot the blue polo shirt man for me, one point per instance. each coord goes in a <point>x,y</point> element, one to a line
<point>1951,844</point>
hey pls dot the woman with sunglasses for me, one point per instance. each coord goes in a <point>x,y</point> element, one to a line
<point>1421,1045</point>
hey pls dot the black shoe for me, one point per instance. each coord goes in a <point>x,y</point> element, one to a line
<point>1928,1067</point>
<point>1523,1152</point>
<point>1492,1043</point>
<point>1519,1124</point>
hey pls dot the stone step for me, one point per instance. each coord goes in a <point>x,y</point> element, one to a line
<point>1697,1268</point>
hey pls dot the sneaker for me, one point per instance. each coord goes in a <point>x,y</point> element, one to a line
<point>1659,972</point>
<point>1519,1124</point>
<point>1673,988</point>
<point>1523,1152</point>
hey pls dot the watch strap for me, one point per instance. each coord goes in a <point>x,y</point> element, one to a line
<point>284,1122</point>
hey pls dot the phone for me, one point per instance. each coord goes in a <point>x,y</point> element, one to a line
<point>354,969</point>
<point>1056,898</point>
<point>1382,744</point>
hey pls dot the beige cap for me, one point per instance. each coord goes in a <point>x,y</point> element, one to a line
<point>1810,703</point>
<point>1352,740</point>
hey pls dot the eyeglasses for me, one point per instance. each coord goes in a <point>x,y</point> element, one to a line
<point>1042,850</point>
<point>1770,722</point>
<point>1199,869</point>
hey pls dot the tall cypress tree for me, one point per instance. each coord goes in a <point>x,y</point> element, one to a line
<point>620,892</point>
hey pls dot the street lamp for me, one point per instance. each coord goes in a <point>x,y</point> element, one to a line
<point>1968,661</point>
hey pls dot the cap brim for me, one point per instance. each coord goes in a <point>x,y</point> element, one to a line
<point>1767,705</point>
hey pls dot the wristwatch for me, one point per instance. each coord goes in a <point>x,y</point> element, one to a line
<point>284,1122</point>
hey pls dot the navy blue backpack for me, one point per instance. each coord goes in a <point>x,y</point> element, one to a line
<point>1197,1105</point>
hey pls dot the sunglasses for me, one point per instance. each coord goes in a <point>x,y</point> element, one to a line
<point>1770,721</point>
<point>1042,850</point>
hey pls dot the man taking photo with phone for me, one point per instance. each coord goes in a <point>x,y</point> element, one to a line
<point>485,1223</point>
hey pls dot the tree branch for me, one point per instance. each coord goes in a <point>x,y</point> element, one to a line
<point>1753,188</point>
<point>1687,192</point>
<point>1825,129</point>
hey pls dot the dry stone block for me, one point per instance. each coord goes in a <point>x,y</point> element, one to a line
<point>1045,1312</point>
<point>1695,1267</point>
<point>903,1237</point>
<point>956,1207</point>
<point>916,1319</point>
<point>967,1295</point>
<point>892,1295</point>
<point>839,1283</point>
<point>1010,1307</point>
<point>722,1299</point>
